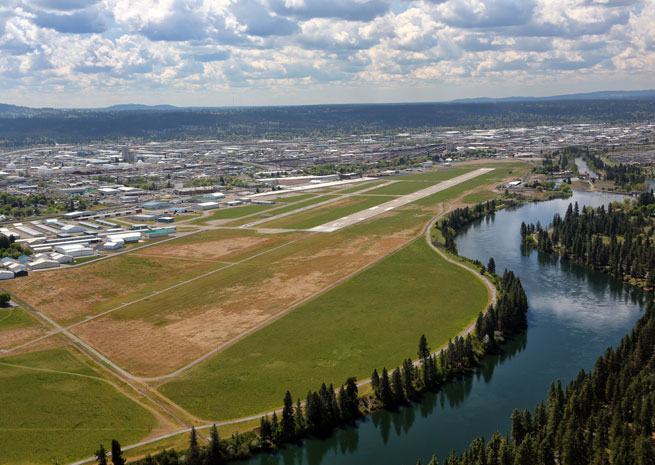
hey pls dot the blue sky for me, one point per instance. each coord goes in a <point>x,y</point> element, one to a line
<point>89,53</point>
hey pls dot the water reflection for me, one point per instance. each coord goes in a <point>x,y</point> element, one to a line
<point>574,315</point>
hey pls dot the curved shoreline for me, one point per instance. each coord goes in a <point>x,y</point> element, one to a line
<point>426,234</point>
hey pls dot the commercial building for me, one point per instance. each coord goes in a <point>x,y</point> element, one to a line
<point>207,205</point>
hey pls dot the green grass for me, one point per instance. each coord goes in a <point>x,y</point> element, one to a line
<point>479,197</point>
<point>372,320</point>
<point>439,175</point>
<point>179,218</point>
<point>292,198</point>
<point>15,317</point>
<point>401,188</point>
<point>492,176</point>
<point>232,212</point>
<point>79,260</point>
<point>361,186</point>
<point>326,213</point>
<point>62,415</point>
<point>278,211</point>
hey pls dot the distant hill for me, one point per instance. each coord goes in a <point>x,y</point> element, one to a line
<point>602,95</point>
<point>137,107</point>
<point>6,108</point>
<point>21,126</point>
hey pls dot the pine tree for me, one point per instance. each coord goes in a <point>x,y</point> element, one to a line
<point>386,395</point>
<point>423,349</point>
<point>397,387</point>
<point>300,420</point>
<point>491,265</point>
<point>101,456</point>
<point>193,452</point>
<point>353,398</point>
<point>408,379</point>
<point>288,423</point>
<point>275,428</point>
<point>375,383</point>
<point>313,413</point>
<point>214,452</point>
<point>265,431</point>
<point>518,431</point>
<point>117,453</point>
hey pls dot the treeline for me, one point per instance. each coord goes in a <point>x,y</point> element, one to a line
<point>459,218</point>
<point>601,418</point>
<point>326,409</point>
<point>617,239</point>
<point>18,206</point>
<point>621,174</point>
<point>9,248</point>
<point>322,411</point>
<point>406,383</point>
<point>560,160</point>
<point>75,126</point>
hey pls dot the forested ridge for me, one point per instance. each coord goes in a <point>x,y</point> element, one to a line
<point>617,239</point>
<point>603,417</point>
<point>77,126</point>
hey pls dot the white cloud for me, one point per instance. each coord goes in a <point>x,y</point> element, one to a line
<point>72,49</point>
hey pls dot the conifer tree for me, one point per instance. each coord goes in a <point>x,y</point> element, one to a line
<point>491,265</point>
<point>408,379</point>
<point>265,431</point>
<point>101,456</point>
<point>288,423</point>
<point>117,453</point>
<point>300,419</point>
<point>214,451</point>
<point>423,349</point>
<point>352,393</point>
<point>375,383</point>
<point>193,452</point>
<point>386,394</point>
<point>397,387</point>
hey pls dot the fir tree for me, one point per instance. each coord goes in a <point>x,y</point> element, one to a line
<point>214,451</point>
<point>117,453</point>
<point>193,452</point>
<point>101,456</point>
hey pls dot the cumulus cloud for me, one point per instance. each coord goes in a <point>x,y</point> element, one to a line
<point>351,10</point>
<point>55,47</point>
<point>486,13</point>
<point>258,21</point>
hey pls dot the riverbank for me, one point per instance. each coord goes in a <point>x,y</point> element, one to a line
<point>444,365</point>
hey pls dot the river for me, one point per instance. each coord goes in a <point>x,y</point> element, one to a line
<point>574,314</point>
<point>583,167</point>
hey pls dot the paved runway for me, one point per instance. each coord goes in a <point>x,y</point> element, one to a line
<point>399,202</point>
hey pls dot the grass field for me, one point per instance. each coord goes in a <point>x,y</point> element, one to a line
<point>55,407</point>
<point>479,197</point>
<point>499,172</point>
<point>370,321</point>
<point>361,186</point>
<point>401,188</point>
<point>326,213</point>
<point>170,329</point>
<point>107,283</point>
<point>231,213</point>
<point>291,198</point>
<point>15,317</point>
<point>438,175</point>
<point>279,211</point>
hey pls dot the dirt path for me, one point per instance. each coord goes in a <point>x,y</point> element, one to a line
<point>463,333</point>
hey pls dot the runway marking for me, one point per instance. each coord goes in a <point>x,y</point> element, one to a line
<point>399,202</point>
